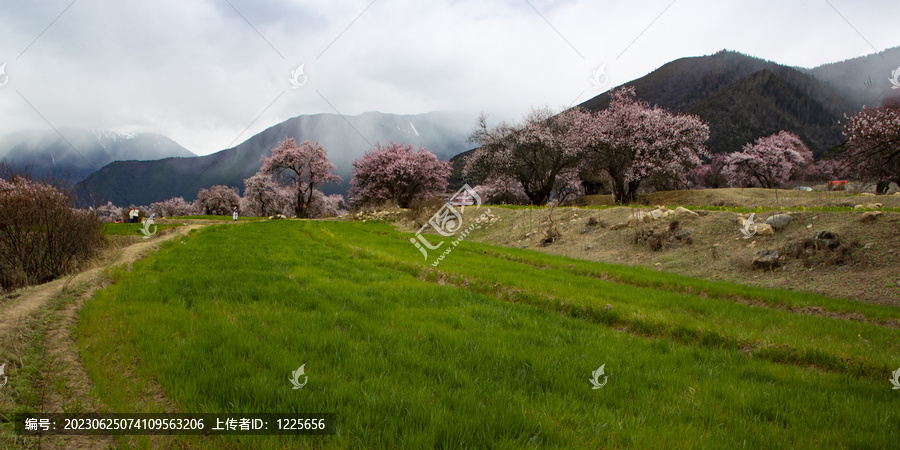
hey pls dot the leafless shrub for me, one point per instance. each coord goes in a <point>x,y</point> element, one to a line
<point>421,210</point>
<point>42,235</point>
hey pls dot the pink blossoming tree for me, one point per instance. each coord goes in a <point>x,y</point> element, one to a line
<point>263,196</point>
<point>397,172</point>
<point>305,168</point>
<point>502,190</point>
<point>770,162</point>
<point>217,200</point>
<point>175,206</point>
<point>631,141</point>
<point>710,174</point>
<point>108,213</point>
<point>533,152</point>
<point>873,141</point>
<point>326,206</point>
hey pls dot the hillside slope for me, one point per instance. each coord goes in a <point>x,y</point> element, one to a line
<point>80,152</point>
<point>345,138</point>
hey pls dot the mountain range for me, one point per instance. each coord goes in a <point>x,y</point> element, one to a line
<point>345,138</point>
<point>75,153</point>
<point>743,98</point>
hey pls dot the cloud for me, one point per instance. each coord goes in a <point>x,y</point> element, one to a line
<point>209,73</point>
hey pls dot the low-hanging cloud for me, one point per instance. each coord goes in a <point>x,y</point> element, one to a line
<point>210,74</point>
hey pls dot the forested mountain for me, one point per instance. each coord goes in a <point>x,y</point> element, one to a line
<point>743,98</point>
<point>345,138</point>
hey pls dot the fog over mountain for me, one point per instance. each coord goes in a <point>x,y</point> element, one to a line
<point>345,138</point>
<point>76,153</point>
<point>864,80</point>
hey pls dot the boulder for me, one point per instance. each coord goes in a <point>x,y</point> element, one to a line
<point>639,217</point>
<point>827,239</point>
<point>869,216</point>
<point>762,229</point>
<point>682,234</point>
<point>873,205</point>
<point>859,206</point>
<point>795,247</point>
<point>767,259</point>
<point>657,214</point>
<point>779,221</point>
<point>618,226</point>
<point>684,212</point>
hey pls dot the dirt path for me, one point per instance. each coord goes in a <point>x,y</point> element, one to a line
<point>60,341</point>
<point>31,298</point>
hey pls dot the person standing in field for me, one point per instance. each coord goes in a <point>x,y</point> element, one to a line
<point>234,214</point>
<point>133,215</point>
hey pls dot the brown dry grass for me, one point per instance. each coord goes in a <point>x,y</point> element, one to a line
<point>755,197</point>
<point>867,273</point>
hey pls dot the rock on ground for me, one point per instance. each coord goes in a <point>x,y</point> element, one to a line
<point>869,216</point>
<point>684,212</point>
<point>767,259</point>
<point>779,221</point>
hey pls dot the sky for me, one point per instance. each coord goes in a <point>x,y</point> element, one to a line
<point>212,73</point>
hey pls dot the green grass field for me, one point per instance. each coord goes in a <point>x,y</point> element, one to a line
<point>133,229</point>
<point>493,348</point>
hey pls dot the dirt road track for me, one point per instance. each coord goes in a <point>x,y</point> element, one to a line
<point>61,345</point>
<point>32,298</point>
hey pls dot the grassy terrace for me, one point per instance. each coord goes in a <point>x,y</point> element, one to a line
<point>495,346</point>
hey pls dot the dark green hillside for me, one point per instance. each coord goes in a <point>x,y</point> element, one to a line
<point>761,104</point>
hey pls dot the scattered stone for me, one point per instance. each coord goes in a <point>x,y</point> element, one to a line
<point>585,230</point>
<point>859,207</point>
<point>779,221</point>
<point>827,239</point>
<point>874,205</point>
<point>608,307</point>
<point>869,216</point>
<point>618,226</point>
<point>684,212</point>
<point>868,245</point>
<point>657,214</point>
<point>682,234</point>
<point>867,194</point>
<point>767,259</point>
<point>642,216</point>
<point>795,247</point>
<point>277,217</point>
<point>762,229</point>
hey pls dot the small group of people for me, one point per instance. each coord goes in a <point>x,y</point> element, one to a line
<point>134,215</point>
